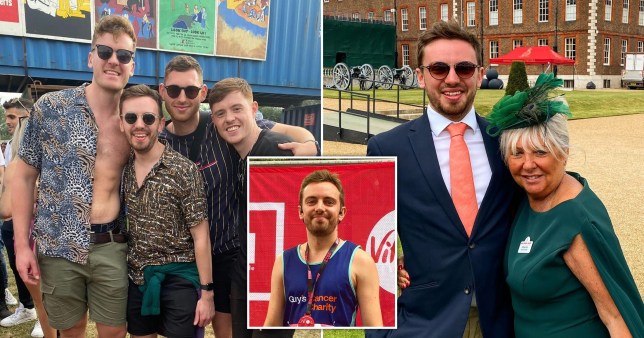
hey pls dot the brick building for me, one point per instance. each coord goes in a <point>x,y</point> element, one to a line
<point>595,33</point>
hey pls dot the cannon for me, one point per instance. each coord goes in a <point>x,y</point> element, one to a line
<point>405,76</point>
<point>342,76</point>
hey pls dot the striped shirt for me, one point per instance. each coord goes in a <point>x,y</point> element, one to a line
<point>218,162</point>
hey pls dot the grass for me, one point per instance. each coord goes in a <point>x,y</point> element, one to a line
<point>583,103</point>
<point>343,333</point>
<point>24,330</point>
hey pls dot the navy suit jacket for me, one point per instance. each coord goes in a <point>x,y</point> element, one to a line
<point>445,266</point>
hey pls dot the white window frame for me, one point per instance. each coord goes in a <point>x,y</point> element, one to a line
<point>624,51</point>
<point>640,46</point>
<point>606,51</point>
<point>471,14</point>
<point>517,11</point>
<point>404,20</point>
<point>494,13</point>
<point>625,12</point>
<point>571,10</point>
<point>422,18</point>
<point>355,16</point>
<point>571,48</point>
<point>386,15</point>
<point>542,42</point>
<point>608,12</point>
<point>444,12</point>
<point>405,54</point>
<point>494,49</point>
<point>641,17</point>
<point>544,11</point>
<point>371,16</point>
<point>517,43</point>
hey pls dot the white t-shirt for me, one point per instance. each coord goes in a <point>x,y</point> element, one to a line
<point>7,153</point>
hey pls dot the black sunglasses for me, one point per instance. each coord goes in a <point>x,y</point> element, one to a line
<point>440,70</point>
<point>174,91</point>
<point>123,55</point>
<point>148,118</point>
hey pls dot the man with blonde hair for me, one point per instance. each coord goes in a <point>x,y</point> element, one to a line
<point>73,142</point>
<point>233,114</point>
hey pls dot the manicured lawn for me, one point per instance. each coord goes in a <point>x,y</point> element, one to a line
<point>583,103</point>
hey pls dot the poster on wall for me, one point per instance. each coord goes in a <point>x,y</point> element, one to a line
<point>187,26</point>
<point>59,19</point>
<point>141,13</point>
<point>242,28</point>
<point>10,18</point>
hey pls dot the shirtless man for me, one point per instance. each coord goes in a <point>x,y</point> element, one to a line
<point>73,142</point>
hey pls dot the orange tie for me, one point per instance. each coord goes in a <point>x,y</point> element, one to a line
<point>461,178</point>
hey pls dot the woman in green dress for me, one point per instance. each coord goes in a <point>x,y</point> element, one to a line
<point>564,264</point>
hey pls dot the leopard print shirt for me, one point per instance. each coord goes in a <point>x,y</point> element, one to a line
<point>60,142</point>
<point>161,212</point>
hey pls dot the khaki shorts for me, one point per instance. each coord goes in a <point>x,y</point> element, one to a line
<point>69,288</point>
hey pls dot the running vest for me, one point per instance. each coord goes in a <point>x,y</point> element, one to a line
<point>334,299</point>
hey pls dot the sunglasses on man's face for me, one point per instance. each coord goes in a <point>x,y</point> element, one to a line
<point>440,70</point>
<point>174,91</point>
<point>148,118</point>
<point>123,55</point>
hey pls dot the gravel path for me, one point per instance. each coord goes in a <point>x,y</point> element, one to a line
<point>608,152</point>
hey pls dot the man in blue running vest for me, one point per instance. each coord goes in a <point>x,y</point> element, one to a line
<point>323,282</point>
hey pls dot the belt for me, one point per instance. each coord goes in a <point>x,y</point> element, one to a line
<point>106,237</point>
<point>106,233</point>
<point>105,227</point>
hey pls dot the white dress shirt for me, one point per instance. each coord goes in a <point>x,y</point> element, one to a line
<point>481,170</point>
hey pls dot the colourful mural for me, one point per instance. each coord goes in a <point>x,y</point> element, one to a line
<point>242,28</point>
<point>10,18</point>
<point>187,26</point>
<point>141,13</point>
<point>66,19</point>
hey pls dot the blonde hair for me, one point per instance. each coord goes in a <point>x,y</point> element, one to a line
<point>115,25</point>
<point>229,85</point>
<point>551,136</point>
<point>17,137</point>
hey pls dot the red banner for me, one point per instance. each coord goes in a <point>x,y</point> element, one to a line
<point>274,224</point>
<point>9,11</point>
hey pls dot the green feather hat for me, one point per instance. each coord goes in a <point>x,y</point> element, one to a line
<point>523,109</point>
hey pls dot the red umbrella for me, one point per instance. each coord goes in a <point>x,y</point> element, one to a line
<point>536,55</point>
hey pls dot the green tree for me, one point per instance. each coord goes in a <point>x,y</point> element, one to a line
<point>4,133</point>
<point>518,79</point>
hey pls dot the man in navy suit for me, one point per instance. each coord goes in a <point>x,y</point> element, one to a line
<point>457,287</point>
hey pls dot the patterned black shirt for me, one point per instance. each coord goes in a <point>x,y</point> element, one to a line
<point>161,212</point>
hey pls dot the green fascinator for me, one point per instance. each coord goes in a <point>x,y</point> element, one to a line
<point>523,109</point>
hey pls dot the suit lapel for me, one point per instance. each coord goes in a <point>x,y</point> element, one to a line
<point>422,144</point>
<point>497,166</point>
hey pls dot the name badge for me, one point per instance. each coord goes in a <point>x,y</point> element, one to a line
<point>525,246</point>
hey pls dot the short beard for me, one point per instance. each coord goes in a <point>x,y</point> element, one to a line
<point>320,231</point>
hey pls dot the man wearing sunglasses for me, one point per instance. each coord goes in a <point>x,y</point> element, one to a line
<point>182,91</point>
<point>168,240</point>
<point>74,143</point>
<point>455,197</point>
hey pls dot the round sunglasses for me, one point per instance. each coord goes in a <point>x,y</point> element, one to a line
<point>105,53</point>
<point>174,91</point>
<point>440,70</point>
<point>148,118</point>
